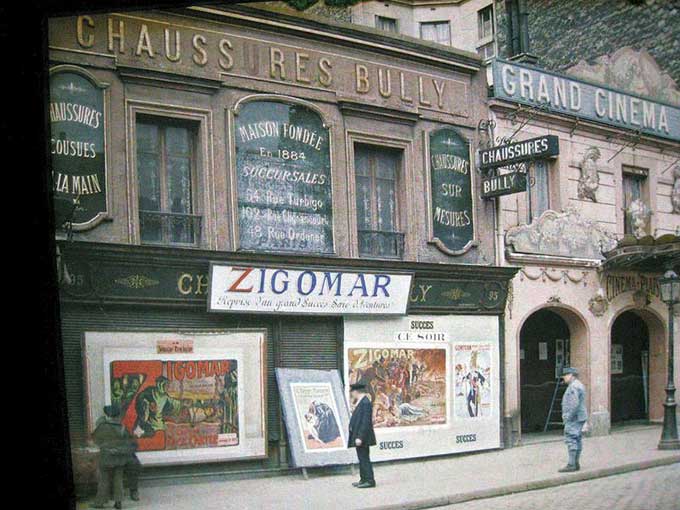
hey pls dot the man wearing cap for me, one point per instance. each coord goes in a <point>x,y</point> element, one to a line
<point>361,434</point>
<point>574,416</point>
<point>116,458</point>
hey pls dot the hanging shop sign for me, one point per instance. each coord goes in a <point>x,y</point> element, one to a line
<point>542,147</point>
<point>562,94</point>
<point>306,291</point>
<point>451,191</point>
<point>506,184</point>
<point>284,188</point>
<point>77,144</point>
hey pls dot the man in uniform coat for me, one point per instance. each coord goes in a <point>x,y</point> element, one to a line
<point>361,434</point>
<point>116,458</point>
<point>574,416</point>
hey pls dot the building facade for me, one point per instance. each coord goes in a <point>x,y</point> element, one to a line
<point>596,228</point>
<point>322,175</point>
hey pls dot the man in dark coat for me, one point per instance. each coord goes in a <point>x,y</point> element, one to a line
<point>574,416</point>
<point>361,434</point>
<point>116,457</point>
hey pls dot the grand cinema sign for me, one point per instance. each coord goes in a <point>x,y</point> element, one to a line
<point>565,95</point>
<point>306,291</point>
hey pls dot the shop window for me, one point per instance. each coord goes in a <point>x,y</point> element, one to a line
<point>436,31</point>
<point>386,24</point>
<point>377,172</point>
<point>539,195</point>
<point>634,181</point>
<point>166,168</point>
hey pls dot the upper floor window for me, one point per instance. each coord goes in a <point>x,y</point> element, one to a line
<point>166,173</point>
<point>386,24</point>
<point>634,181</point>
<point>539,194</point>
<point>436,31</point>
<point>486,29</point>
<point>377,181</point>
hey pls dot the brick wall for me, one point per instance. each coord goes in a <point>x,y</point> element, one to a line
<point>562,32</point>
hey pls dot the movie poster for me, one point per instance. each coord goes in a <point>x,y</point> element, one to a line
<point>317,416</point>
<point>408,385</point>
<point>173,405</point>
<point>473,386</point>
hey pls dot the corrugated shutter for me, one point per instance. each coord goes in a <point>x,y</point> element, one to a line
<point>76,319</point>
<point>309,342</point>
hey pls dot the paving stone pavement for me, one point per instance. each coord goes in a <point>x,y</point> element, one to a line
<point>648,489</point>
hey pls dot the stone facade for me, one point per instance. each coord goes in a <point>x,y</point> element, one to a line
<point>562,33</point>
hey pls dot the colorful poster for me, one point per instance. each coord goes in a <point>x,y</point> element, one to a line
<point>317,416</point>
<point>408,385</point>
<point>173,405</point>
<point>473,391</point>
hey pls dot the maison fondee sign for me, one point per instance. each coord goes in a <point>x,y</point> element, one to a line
<point>190,284</point>
<point>283,170</point>
<point>227,53</point>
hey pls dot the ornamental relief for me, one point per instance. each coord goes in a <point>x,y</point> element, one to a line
<point>561,234</point>
<point>554,275</point>
<point>675,191</point>
<point>589,180</point>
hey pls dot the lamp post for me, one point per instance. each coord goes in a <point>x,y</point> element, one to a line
<point>669,285</point>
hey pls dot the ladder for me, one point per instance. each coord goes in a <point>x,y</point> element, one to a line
<point>555,413</point>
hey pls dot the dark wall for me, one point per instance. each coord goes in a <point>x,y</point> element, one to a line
<point>562,32</point>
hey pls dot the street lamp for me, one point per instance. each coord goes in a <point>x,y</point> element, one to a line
<point>669,285</point>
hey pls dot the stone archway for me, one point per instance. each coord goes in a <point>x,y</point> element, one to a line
<point>563,333</point>
<point>637,331</point>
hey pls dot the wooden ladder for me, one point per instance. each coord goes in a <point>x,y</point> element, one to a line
<point>555,413</point>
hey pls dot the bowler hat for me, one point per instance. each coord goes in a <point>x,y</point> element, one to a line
<point>569,370</point>
<point>357,386</point>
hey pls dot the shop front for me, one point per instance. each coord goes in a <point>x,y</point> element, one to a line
<point>134,317</point>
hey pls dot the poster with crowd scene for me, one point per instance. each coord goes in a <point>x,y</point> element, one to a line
<point>185,396</point>
<point>169,405</point>
<point>473,387</point>
<point>283,178</point>
<point>433,381</point>
<point>316,416</point>
<point>407,384</point>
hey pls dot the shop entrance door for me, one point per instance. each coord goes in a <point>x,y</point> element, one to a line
<point>544,351</point>
<point>629,368</point>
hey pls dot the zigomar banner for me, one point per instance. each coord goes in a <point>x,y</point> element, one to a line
<point>306,291</point>
<point>542,147</point>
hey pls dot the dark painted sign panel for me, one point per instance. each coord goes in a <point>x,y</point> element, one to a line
<point>542,147</point>
<point>284,178</point>
<point>506,184</point>
<point>566,95</point>
<point>77,144</point>
<point>451,188</point>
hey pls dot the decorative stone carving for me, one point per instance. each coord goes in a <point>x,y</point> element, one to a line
<point>562,234</point>
<point>641,298</point>
<point>675,192</point>
<point>631,70</point>
<point>598,304</point>
<point>554,275</point>
<point>589,180</point>
<point>639,214</point>
<point>554,299</point>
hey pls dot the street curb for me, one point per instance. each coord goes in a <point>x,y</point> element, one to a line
<point>528,486</point>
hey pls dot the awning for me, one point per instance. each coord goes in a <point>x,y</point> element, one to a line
<point>645,254</point>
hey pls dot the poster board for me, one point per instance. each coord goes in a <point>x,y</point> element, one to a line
<point>316,416</point>
<point>187,397</point>
<point>434,380</point>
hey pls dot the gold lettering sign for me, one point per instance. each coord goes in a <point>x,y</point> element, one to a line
<point>230,53</point>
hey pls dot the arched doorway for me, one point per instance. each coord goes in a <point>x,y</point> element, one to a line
<point>629,368</point>
<point>545,348</point>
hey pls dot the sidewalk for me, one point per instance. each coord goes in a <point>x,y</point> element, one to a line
<point>418,484</point>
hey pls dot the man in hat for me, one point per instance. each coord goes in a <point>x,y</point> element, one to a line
<point>116,457</point>
<point>361,434</point>
<point>574,416</point>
